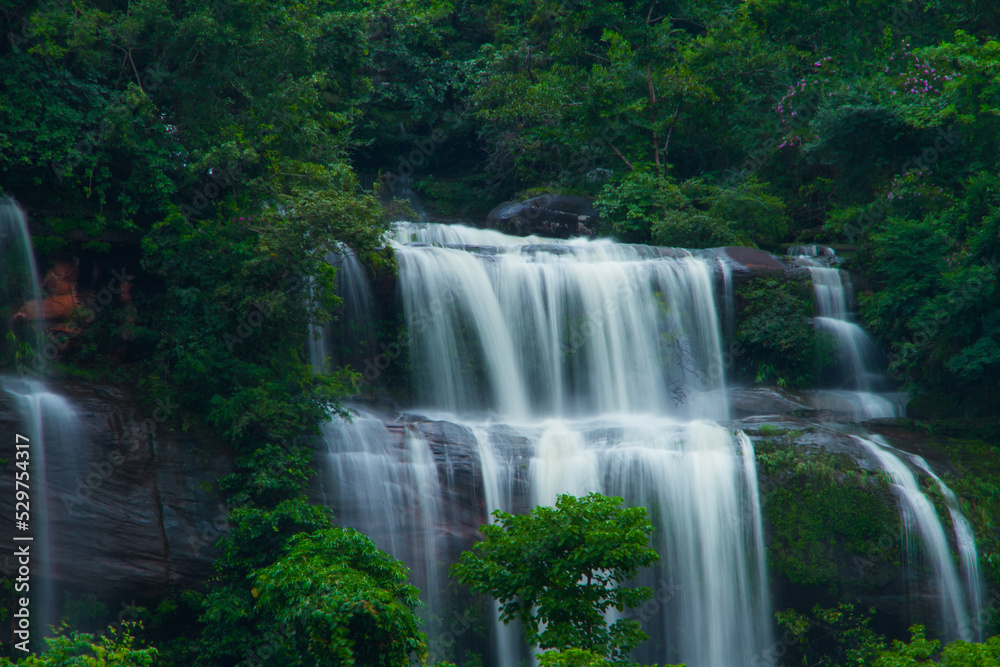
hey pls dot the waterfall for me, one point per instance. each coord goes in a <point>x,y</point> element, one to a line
<point>459,235</point>
<point>499,479</point>
<point>529,331</point>
<point>54,431</point>
<point>568,367</point>
<point>19,286</point>
<point>728,299</point>
<point>386,485</point>
<point>710,604</point>
<point>349,338</point>
<point>922,528</point>
<point>857,388</point>
<point>552,367</point>
<point>48,420</point>
<point>966,541</point>
<point>861,395</point>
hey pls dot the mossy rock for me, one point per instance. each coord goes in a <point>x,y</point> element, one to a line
<point>832,524</point>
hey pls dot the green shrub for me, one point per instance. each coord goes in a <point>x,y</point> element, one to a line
<point>780,344</point>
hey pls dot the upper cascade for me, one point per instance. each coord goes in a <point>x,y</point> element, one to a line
<point>857,378</point>
<point>529,328</point>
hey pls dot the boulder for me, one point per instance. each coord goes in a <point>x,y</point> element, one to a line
<point>550,215</point>
<point>747,263</point>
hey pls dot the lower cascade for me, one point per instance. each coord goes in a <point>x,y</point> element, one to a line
<point>710,604</point>
<point>924,538</point>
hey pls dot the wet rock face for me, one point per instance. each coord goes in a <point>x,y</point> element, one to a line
<point>553,216</point>
<point>762,400</point>
<point>459,472</point>
<point>131,504</point>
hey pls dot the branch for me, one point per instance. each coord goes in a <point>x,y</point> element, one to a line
<point>619,154</point>
<point>673,121</point>
<point>656,114</point>
<point>138,79</point>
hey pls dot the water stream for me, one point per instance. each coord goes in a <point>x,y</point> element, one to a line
<point>856,388</point>
<point>924,536</point>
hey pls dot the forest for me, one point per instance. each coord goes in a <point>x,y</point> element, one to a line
<point>201,195</point>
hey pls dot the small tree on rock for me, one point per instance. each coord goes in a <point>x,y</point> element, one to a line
<point>559,570</point>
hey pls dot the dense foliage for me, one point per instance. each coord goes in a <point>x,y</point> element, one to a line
<point>560,570</point>
<point>224,148</point>
<point>340,601</point>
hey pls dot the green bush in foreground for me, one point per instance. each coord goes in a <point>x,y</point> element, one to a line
<point>115,649</point>
<point>841,637</point>
<point>341,601</point>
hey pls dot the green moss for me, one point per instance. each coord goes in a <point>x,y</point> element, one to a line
<point>769,430</point>
<point>828,518</point>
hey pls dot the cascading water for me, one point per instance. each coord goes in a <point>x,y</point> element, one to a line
<point>53,429</point>
<point>19,286</point>
<point>574,367</point>
<point>48,420</point>
<point>578,366</point>
<point>349,337</point>
<point>541,330</point>
<point>392,494</point>
<point>925,536</point>
<point>728,299</point>
<point>966,541</point>
<point>862,394</point>
<point>857,388</point>
<point>710,605</point>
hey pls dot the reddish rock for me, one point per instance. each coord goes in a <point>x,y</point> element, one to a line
<point>753,259</point>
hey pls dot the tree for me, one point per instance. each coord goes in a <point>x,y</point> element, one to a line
<point>340,601</point>
<point>559,570</point>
